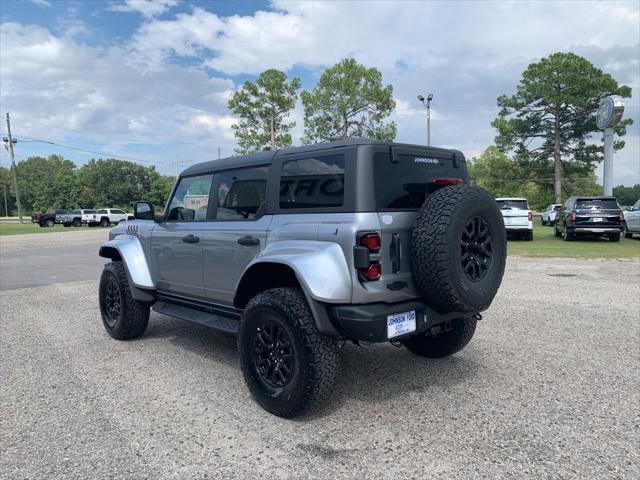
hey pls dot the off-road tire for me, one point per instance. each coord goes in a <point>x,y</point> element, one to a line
<point>315,354</point>
<point>437,256</point>
<point>443,344</point>
<point>614,238</point>
<point>134,316</point>
<point>104,222</point>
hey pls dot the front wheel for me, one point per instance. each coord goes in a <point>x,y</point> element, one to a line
<point>288,365</point>
<point>452,338</point>
<point>123,317</point>
<point>49,223</point>
<point>76,222</point>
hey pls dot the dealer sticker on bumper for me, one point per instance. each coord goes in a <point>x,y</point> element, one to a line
<point>401,324</point>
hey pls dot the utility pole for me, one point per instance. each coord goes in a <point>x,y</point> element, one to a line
<point>6,209</point>
<point>13,167</point>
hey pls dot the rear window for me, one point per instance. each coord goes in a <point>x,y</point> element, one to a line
<point>597,203</point>
<point>512,204</point>
<point>312,182</point>
<point>89,211</point>
<point>402,182</point>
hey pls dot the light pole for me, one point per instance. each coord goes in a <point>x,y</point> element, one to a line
<point>609,114</point>
<point>428,106</point>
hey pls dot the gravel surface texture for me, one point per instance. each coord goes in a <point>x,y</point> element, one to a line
<point>548,388</point>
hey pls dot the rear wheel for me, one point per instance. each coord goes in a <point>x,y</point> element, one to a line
<point>49,223</point>
<point>458,249</point>
<point>625,231</point>
<point>614,238</point>
<point>528,236</point>
<point>123,317</point>
<point>452,338</point>
<point>104,222</point>
<point>288,365</point>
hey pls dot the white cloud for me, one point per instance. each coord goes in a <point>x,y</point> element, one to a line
<point>147,8</point>
<point>49,80</point>
<point>41,3</point>
<point>466,53</point>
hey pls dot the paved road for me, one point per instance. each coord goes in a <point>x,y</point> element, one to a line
<point>548,388</point>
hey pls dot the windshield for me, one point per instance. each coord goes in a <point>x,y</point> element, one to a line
<point>597,203</point>
<point>512,204</point>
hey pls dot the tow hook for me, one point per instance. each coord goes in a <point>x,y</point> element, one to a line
<point>477,317</point>
<point>395,343</point>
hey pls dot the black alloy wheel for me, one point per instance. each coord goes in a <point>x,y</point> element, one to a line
<point>476,249</point>
<point>112,302</point>
<point>273,357</point>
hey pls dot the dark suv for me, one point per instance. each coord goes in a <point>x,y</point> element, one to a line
<point>589,217</point>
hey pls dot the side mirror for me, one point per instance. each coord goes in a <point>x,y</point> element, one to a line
<point>143,211</point>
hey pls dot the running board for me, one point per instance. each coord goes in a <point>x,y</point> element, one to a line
<point>218,322</point>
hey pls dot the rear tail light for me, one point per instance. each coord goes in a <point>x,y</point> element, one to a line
<point>372,272</point>
<point>371,241</point>
<point>531,216</point>
<point>572,216</point>
<point>445,181</point>
<point>366,255</point>
<point>621,216</point>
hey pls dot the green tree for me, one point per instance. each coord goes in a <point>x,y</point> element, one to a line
<point>113,183</point>
<point>627,196</point>
<point>263,108</point>
<point>47,183</point>
<point>348,101</point>
<point>6,192</point>
<point>159,189</point>
<point>552,115</point>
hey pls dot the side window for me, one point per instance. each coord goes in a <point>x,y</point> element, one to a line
<point>191,199</point>
<point>241,193</point>
<point>101,211</point>
<point>119,212</point>
<point>312,182</point>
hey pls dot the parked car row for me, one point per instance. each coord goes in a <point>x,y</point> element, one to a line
<point>103,217</point>
<point>579,216</point>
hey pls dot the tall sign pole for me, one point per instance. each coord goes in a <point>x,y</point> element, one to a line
<point>609,114</point>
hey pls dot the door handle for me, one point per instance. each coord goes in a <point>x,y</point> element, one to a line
<point>190,239</point>
<point>249,241</point>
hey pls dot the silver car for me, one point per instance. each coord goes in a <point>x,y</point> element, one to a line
<point>297,250</point>
<point>548,217</point>
<point>631,223</point>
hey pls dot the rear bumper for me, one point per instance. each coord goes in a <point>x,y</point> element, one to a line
<point>369,322</point>
<point>594,230</point>
<point>518,228</point>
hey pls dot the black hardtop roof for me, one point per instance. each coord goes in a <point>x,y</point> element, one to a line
<point>265,158</point>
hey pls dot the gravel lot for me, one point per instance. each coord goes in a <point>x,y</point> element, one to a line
<point>549,387</point>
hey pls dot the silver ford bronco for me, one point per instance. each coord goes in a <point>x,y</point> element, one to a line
<point>297,250</point>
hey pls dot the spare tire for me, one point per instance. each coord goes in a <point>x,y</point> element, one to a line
<point>458,249</point>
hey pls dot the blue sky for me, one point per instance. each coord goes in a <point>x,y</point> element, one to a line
<point>149,80</point>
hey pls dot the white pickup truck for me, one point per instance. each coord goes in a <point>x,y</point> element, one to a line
<point>518,218</point>
<point>105,217</point>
